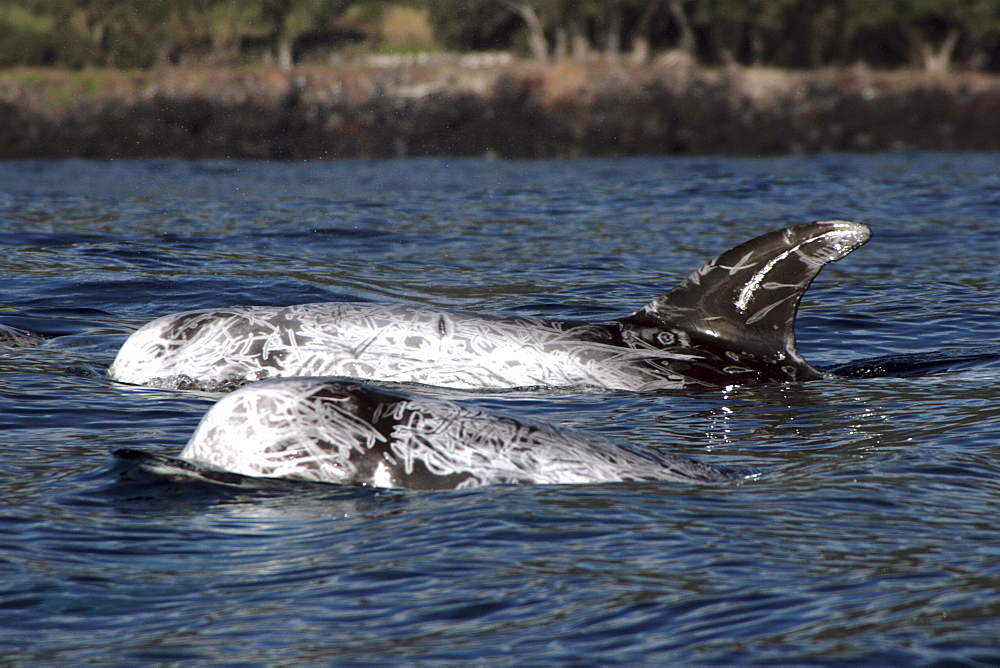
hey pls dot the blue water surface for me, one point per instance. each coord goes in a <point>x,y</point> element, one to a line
<point>870,535</point>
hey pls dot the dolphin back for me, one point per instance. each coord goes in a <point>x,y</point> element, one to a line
<point>735,315</point>
<point>340,431</point>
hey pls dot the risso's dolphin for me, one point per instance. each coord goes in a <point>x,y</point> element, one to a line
<point>341,431</point>
<point>730,322</point>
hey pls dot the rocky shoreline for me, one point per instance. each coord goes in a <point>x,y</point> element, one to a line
<point>510,109</point>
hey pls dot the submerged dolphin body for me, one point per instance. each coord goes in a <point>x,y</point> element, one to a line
<point>730,322</point>
<point>12,337</point>
<point>341,431</point>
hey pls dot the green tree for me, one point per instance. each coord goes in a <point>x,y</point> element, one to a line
<point>26,34</point>
<point>471,24</point>
<point>216,26</point>
<point>742,30</point>
<point>290,19</point>
<point>932,30</point>
<point>528,12</point>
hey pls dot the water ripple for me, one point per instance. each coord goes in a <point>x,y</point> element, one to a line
<point>867,537</point>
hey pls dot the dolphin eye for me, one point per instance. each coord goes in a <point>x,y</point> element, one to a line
<point>666,338</point>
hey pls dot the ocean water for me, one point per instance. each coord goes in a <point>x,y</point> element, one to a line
<point>869,536</point>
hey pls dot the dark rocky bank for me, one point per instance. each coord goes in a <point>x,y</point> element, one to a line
<point>509,110</point>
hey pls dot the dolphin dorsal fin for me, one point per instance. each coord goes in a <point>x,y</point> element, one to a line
<point>742,304</point>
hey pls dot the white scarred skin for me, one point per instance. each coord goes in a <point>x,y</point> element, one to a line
<point>385,342</point>
<point>730,322</point>
<point>340,431</point>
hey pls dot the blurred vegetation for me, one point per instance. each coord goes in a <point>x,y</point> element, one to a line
<point>934,35</point>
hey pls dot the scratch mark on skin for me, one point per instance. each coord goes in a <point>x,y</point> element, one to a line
<point>339,431</point>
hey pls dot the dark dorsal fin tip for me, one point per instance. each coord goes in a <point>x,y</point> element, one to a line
<point>746,299</point>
